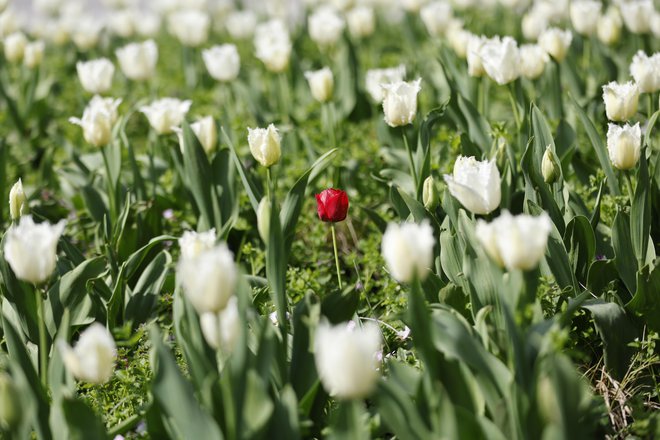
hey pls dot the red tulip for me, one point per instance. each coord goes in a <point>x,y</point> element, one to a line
<point>332,205</point>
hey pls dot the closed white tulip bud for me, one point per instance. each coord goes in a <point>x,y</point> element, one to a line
<point>190,27</point>
<point>31,249</point>
<point>33,54</point>
<point>325,26</point>
<point>474,62</point>
<point>138,60</point>
<point>515,242</point>
<point>430,195</point>
<point>221,330</point>
<point>150,24</point>
<point>263,219</point>
<point>222,62</point>
<point>584,15</point>
<point>166,113</point>
<point>86,32</point>
<point>533,24</point>
<point>501,59</point>
<point>550,168</point>
<point>637,15</point>
<point>8,23</point>
<point>458,37</point>
<point>273,45</point>
<point>624,145</point>
<point>621,100</point>
<point>646,71</point>
<point>346,358</point>
<point>14,45</point>
<point>321,84</point>
<point>476,184</point>
<point>96,75</point>
<point>376,78</point>
<point>408,250</point>
<point>123,22</point>
<point>532,60</point>
<point>10,413</point>
<point>609,26</point>
<point>556,42</point>
<point>93,358</point>
<point>207,133</point>
<point>265,145</point>
<point>400,102</point>
<point>436,16</point>
<point>192,243</point>
<point>208,279</point>
<point>98,119</point>
<point>17,201</point>
<point>361,21</point>
<point>241,24</point>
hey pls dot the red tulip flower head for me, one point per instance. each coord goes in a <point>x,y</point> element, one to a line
<point>332,205</point>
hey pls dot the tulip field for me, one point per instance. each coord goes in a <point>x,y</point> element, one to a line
<point>341,219</point>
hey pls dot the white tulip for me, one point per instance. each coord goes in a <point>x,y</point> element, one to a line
<point>265,145</point>
<point>221,330</point>
<point>476,184</point>
<point>138,60</point>
<point>33,54</point>
<point>637,15</point>
<point>124,22</point>
<point>585,15</point>
<point>400,102</point>
<point>325,26</point>
<point>206,132</point>
<point>458,37</point>
<point>86,32</point>
<point>646,71</point>
<point>17,201</point>
<point>263,219</point>
<point>346,359</point>
<point>408,250</point>
<point>150,24</point>
<point>621,100</point>
<point>436,17</point>
<point>93,358</point>
<point>222,62</point>
<point>475,65</point>
<point>31,249</point>
<point>14,46</point>
<point>361,21</point>
<point>556,42</point>
<point>98,119</point>
<point>8,23</point>
<point>273,45</point>
<point>321,84</point>
<point>208,279</point>
<point>192,243</point>
<point>609,26</point>
<point>376,78</point>
<point>624,145</point>
<point>532,60</point>
<point>515,242</point>
<point>501,59</point>
<point>413,5</point>
<point>166,113</point>
<point>95,75</point>
<point>241,24</point>
<point>533,24</point>
<point>190,27</point>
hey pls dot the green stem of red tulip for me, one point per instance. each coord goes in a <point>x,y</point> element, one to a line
<point>413,171</point>
<point>43,341</point>
<point>334,246</point>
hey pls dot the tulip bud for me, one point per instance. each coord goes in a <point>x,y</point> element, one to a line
<point>646,71</point>
<point>194,243</point>
<point>86,32</point>
<point>190,27</point>
<point>207,133</point>
<point>31,249</point>
<point>400,102</point>
<point>624,145</point>
<point>273,45</point>
<point>325,26</point>
<point>584,15</point>
<point>547,400</point>
<point>515,242</point>
<point>408,250</point>
<point>458,37</point>
<point>138,60</point>
<point>474,62</point>
<point>637,15</point>
<point>93,358</point>
<point>96,75</point>
<point>332,205</point>
<point>241,24</point>
<point>376,78</point>
<point>501,59</point>
<point>556,42</point>
<point>475,184</point>
<point>166,113</point>
<point>265,145</point>
<point>532,60</point>
<point>15,47</point>
<point>33,54</point>
<point>10,414</point>
<point>346,359</point>
<point>321,84</point>
<point>430,195</point>
<point>17,201</point>
<point>621,100</point>
<point>550,167</point>
<point>123,22</point>
<point>222,62</point>
<point>263,219</point>
<point>221,330</point>
<point>533,24</point>
<point>361,21</point>
<point>97,120</point>
<point>609,26</point>
<point>435,17</point>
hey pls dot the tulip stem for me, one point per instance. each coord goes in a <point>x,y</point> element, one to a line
<point>268,184</point>
<point>413,171</point>
<point>514,107</point>
<point>334,246</point>
<point>631,191</point>
<point>43,340</point>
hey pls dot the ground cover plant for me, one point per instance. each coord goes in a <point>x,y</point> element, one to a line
<point>332,219</point>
